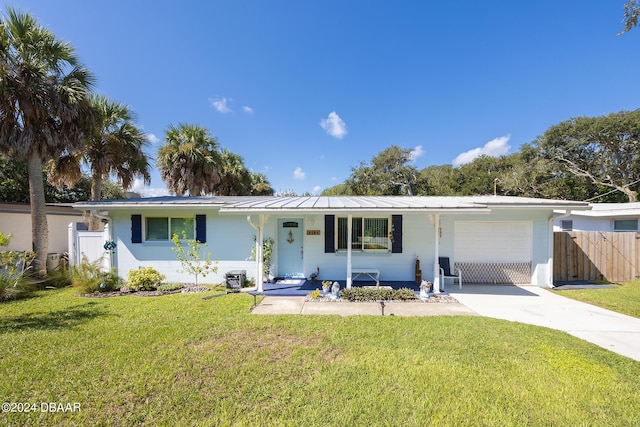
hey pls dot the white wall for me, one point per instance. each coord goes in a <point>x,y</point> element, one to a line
<point>583,223</point>
<point>20,225</point>
<point>417,241</point>
<point>230,240</point>
<point>539,219</point>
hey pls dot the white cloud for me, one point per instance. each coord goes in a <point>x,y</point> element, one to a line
<point>220,104</point>
<point>494,148</point>
<point>316,190</point>
<point>152,138</point>
<point>334,125</point>
<point>247,109</point>
<point>146,191</point>
<point>299,174</point>
<point>416,152</point>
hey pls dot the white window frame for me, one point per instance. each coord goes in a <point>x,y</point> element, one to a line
<point>362,236</point>
<point>169,219</point>
<point>616,221</point>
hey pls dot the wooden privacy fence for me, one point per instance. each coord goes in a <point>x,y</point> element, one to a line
<point>596,255</point>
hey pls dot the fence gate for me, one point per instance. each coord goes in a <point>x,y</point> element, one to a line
<point>88,245</point>
<point>596,255</point>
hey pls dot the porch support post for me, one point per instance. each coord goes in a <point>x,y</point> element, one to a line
<point>71,236</point>
<point>436,253</point>
<point>259,255</point>
<point>259,237</point>
<point>349,233</point>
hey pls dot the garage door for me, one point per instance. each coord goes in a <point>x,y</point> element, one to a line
<point>494,251</point>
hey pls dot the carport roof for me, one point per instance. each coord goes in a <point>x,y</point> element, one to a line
<point>265,204</point>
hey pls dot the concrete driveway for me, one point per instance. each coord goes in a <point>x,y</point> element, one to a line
<point>537,306</point>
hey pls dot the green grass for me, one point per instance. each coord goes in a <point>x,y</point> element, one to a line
<point>181,360</point>
<point>624,298</point>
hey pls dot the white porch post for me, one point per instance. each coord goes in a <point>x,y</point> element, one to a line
<point>259,238</point>
<point>436,253</point>
<point>349,232</point>
<point>71,236</point>
<point>259,256</point>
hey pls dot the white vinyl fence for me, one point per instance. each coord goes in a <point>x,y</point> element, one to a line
<point>89,246</point>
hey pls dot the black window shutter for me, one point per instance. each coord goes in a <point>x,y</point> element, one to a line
<point>396,223</point>
<point>136,228</point>
<point>329,233</point>
<point>201,228</point>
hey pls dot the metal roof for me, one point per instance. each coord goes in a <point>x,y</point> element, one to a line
<point>602,210</point>
<point>256,204</point>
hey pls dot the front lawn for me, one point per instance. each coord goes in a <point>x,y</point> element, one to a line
<point>181,360</point>
<point>624,298</point>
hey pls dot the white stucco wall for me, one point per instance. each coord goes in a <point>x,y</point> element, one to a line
<point>417,241</point>
<point>540,244</point>
<point>19,224</point>
<point>230,239</point>
<point>585,223</point>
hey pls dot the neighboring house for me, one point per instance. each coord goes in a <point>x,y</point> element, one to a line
<point>493,239</point>
<point>15,218</point>
<point>601,217</point>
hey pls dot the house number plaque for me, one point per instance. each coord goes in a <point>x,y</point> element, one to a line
<point>313,232</point>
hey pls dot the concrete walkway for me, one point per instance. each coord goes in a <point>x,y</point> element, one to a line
<point>298,305</point>
<point>526,304</point>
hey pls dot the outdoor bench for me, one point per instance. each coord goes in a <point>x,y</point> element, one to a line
<point>371,273</point>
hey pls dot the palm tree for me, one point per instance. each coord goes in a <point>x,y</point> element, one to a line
<point>235,179</point>
<point>44,107</point>
<point>260,186</point>
<point>189,160</point>
<point>115,147</point>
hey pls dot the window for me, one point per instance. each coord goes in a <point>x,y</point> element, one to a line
<point>367,234</point>
<point>566,225</point>
<point>625,225</point>
<point>163,228</point>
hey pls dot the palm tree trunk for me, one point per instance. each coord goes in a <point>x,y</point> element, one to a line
<point>39,226</point>
<point>96,193</point>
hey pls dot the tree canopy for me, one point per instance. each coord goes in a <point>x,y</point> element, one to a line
<point>191,161</point>
<point>631,13</point>
<point>605,150</point>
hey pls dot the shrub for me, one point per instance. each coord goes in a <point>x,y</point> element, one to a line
<point>111,281</point>
<point>144,279</point>
<point>60,276</point>
<point>89,277</point>
<point>405,294</point>
<point>170,286</point>
<point>13,286</point>
<point>376,294</point>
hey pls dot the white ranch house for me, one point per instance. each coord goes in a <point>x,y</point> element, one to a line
<point>493,239</point>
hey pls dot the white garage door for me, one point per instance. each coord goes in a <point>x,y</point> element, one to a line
<point>494,251</point>
<point>481,241</point>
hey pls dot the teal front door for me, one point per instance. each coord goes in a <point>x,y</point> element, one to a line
<point>290,250</point>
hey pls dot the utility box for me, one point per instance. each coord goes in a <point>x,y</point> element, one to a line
<point>235,279</point>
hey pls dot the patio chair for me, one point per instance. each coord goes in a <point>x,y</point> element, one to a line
<point>445,272</point>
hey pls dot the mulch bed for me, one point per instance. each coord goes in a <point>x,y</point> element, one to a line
<point>188,288</point>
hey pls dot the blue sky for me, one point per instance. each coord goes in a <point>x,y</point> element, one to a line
<point>305,90</point>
